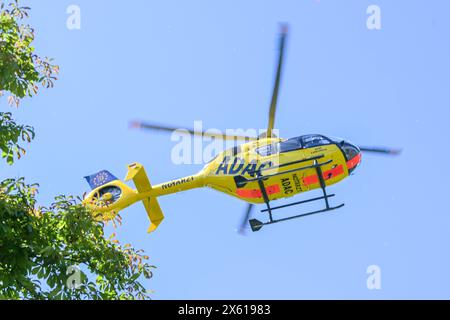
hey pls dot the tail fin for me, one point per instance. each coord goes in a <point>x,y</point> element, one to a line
<point>137,172</point>
<point>154,213</point>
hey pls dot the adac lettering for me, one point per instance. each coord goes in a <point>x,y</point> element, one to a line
<point>177,182</point>
<point>287,187</point>
<point>238,166</point>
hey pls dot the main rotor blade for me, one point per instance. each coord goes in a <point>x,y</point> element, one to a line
<point>393,152</point>
<point>273,103</point>
<point>245,217</point>
<point>170,129</point>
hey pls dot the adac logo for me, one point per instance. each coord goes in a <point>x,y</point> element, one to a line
<point>239,166</point>
<point>177,182</point>
<point>287,186</point>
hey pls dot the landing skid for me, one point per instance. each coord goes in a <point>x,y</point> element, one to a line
<point>256,225</point>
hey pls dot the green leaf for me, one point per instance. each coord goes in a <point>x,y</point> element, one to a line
<point>45,246</point>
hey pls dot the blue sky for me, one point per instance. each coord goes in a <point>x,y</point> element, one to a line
<point>177,61</point>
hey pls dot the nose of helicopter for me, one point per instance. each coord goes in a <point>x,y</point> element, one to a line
<point>353,155</point>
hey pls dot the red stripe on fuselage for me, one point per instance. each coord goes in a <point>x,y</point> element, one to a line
<point>354,162</point>
<point>326,175</point>
<point>256,193</point>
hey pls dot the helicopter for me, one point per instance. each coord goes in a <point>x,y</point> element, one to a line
<point>261,170</point>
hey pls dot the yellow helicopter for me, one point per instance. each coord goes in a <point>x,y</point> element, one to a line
<point>263,169</point>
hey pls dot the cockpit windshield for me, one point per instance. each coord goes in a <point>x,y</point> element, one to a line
<point>307,141</point>
<point>336,140</point>
<point>314,140</point>
<point>290,145</point>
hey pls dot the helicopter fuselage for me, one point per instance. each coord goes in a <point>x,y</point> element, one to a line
<point>229,171</point>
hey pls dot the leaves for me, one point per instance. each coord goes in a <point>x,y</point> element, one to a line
<point>20,68</point>
<point>43,247</point>
<point>11,135</point>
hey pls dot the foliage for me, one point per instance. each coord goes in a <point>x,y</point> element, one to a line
<point>10,136</point>
<point>42,245</point>
<point>41,249</point>
<point>20,69</point>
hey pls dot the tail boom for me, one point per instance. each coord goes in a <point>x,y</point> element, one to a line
<point>178,185</point>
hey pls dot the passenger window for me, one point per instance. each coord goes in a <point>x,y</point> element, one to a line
<point>290,145</point>
<point>268,149</point>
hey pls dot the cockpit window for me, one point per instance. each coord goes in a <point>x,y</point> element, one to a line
<point>308,141</point>
<point>284,146</point>
<point>314,140</point>
<point>290,145</point>
<point>336,140</point>
<point>268,149</point>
